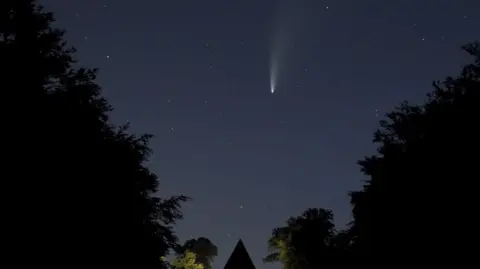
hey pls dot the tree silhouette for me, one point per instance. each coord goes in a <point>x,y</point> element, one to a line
<point>421,179</point>
<point>205,251</point>
<point>419,185</point>
<point>89,196</point>
<point>307,241</point>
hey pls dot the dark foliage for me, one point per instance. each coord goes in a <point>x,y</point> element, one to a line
<point>308,241</point>
<point>420,197</point>
<point>422,182</point>
<point>81,191</point>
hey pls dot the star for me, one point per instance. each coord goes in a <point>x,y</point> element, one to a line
<point>207,46</point>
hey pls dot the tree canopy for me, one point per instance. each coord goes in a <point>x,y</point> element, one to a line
<point>307,241</point>
<point>205,251</point>
<point>187,260</point>
<point>420,183</point>
<point>422,170</point>
<point>86,186</point>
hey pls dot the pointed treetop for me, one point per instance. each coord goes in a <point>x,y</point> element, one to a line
<point>239,258</point>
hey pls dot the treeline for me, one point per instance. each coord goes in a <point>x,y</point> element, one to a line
<point>79,193</point>
<point>419,203</point>
<point>77,187</point>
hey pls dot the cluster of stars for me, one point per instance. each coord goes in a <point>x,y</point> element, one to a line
<point>209,48</point>
<point>210,66</point>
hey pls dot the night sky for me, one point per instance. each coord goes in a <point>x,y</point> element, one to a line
<point>196,74</point>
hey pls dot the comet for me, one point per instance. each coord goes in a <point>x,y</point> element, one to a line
<point>285,24</point>
<point>273,78</point>
<point>277,53</point>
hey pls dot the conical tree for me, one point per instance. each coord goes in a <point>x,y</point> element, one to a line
<point>239,259</point>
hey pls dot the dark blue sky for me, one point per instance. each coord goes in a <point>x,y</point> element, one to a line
<point>196,75</point>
